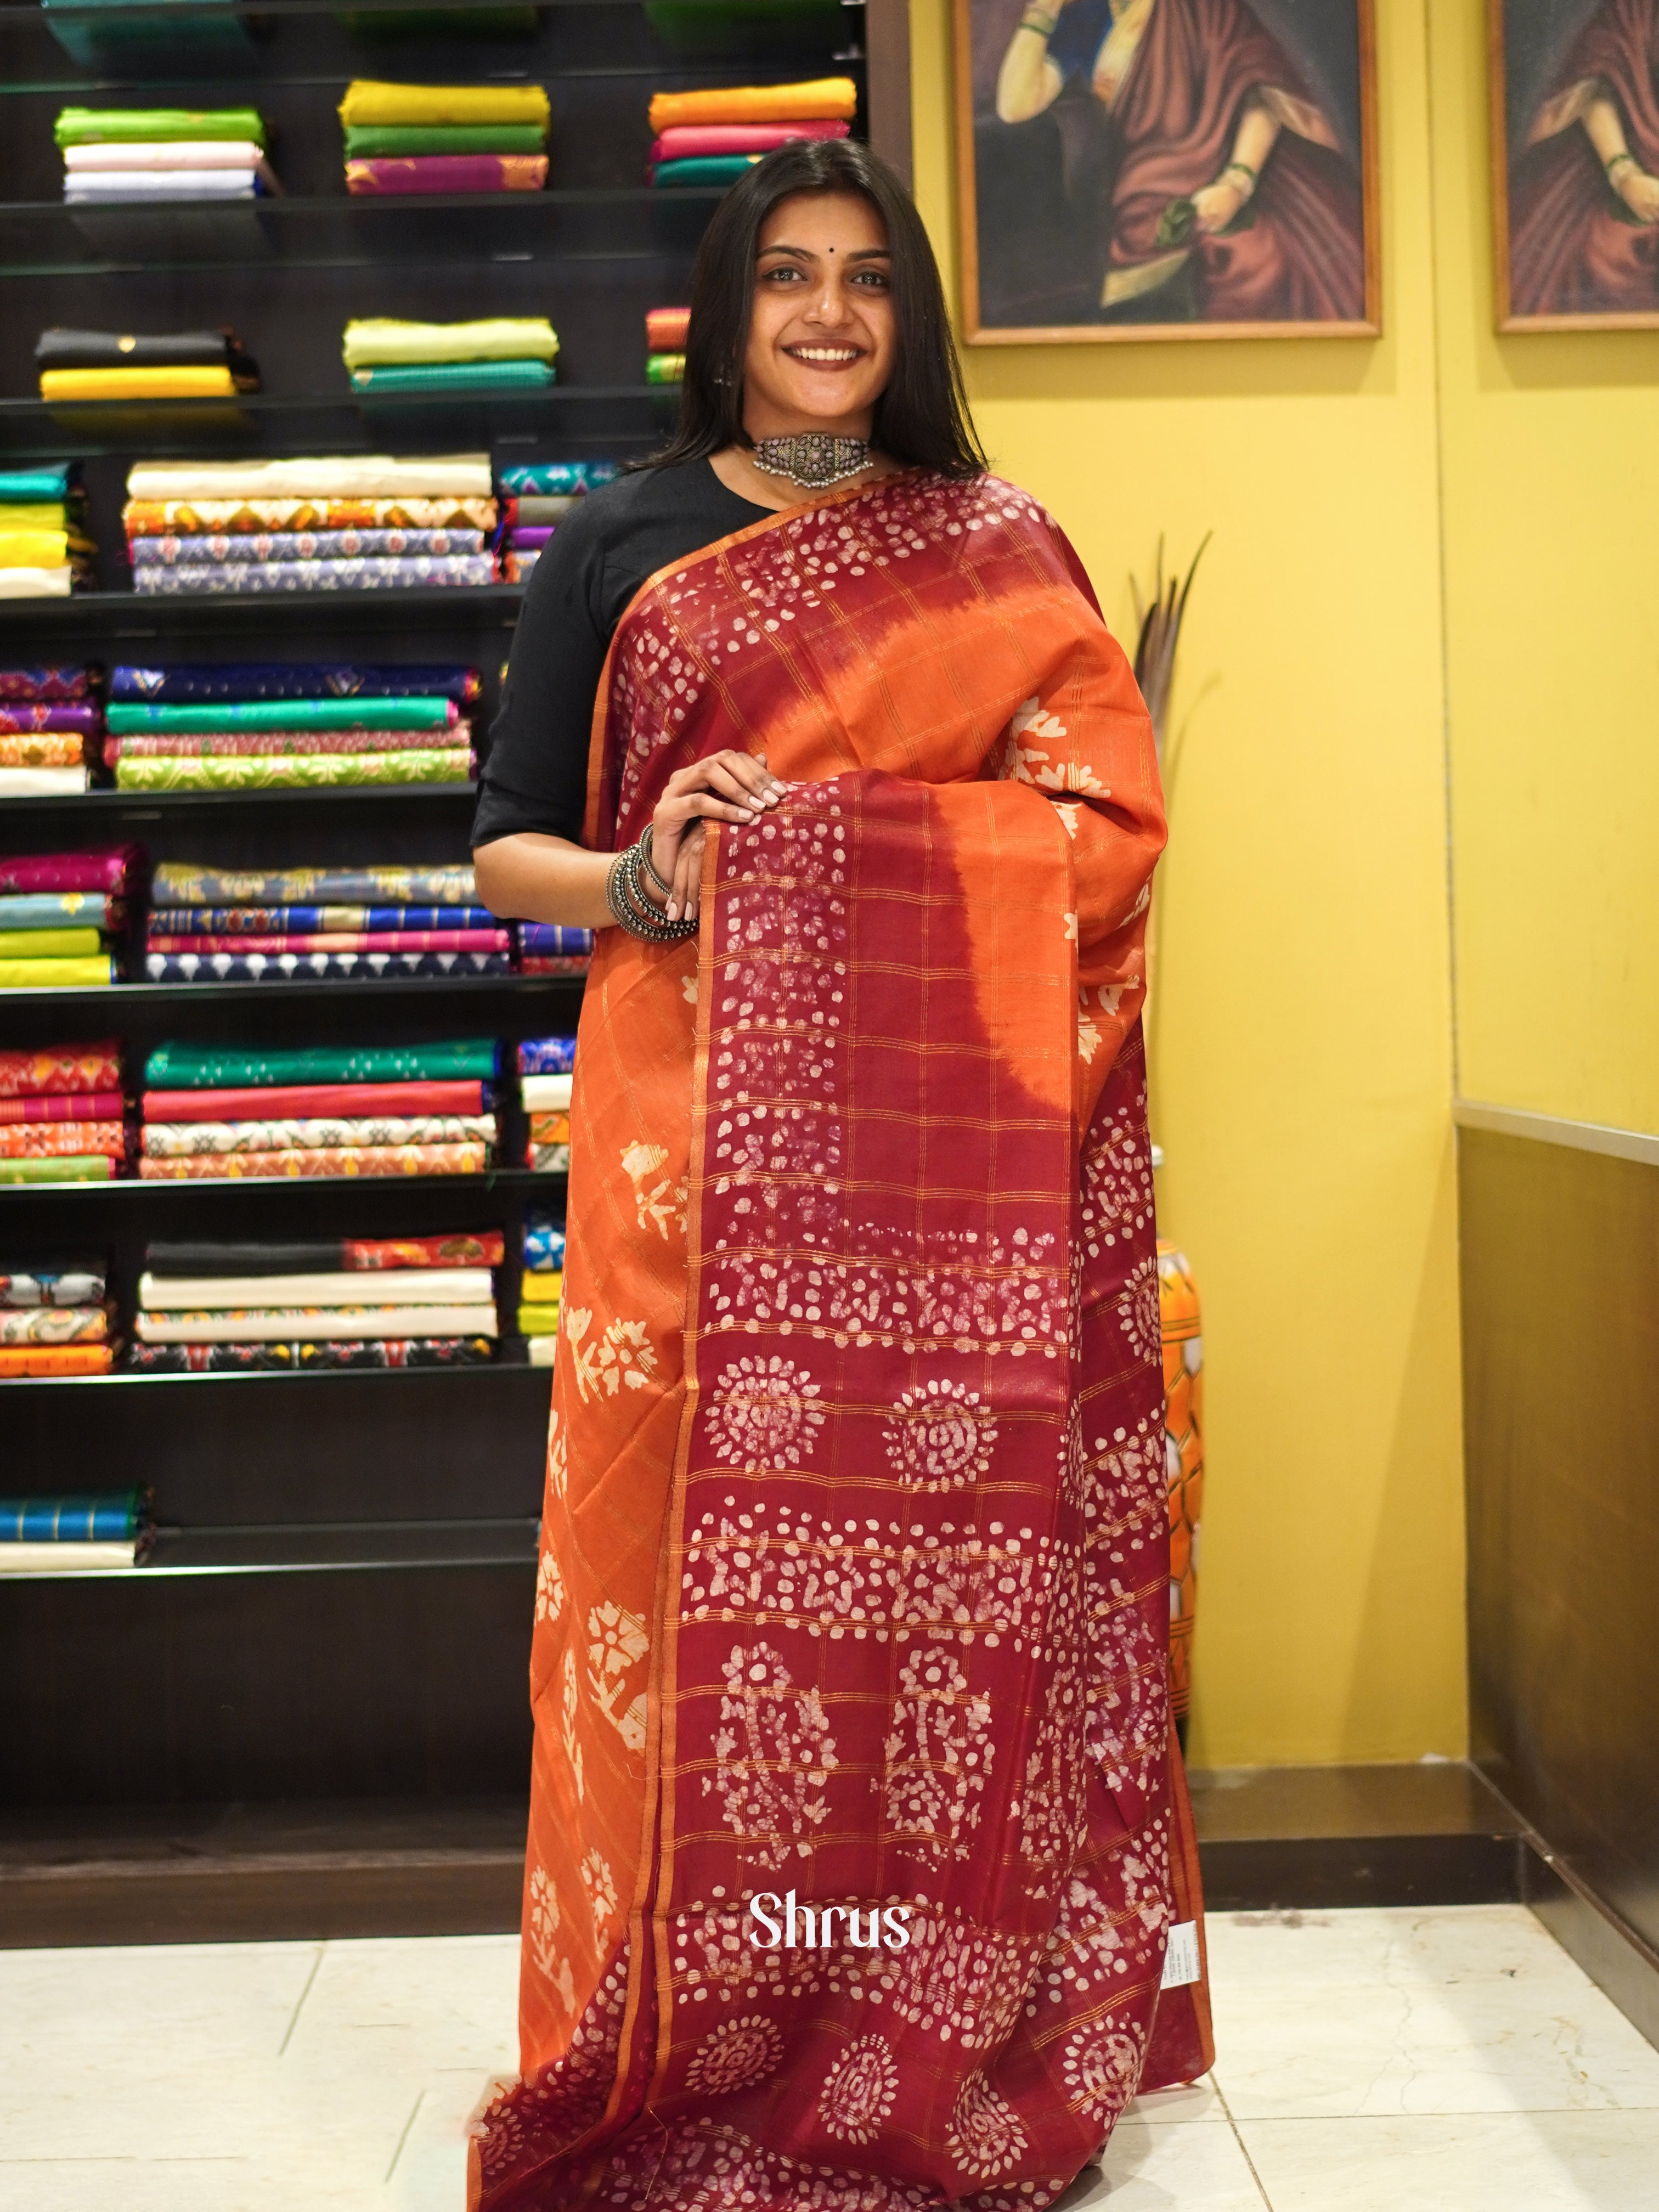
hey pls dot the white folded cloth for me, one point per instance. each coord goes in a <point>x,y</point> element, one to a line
<point>35,583</point>
<point>337,475</point>
<point>401,1286</point>
<point>316,1324</point>
<point>542,1351</point>
<point>67,1558</point>
<point>168,154</point>
<point>43,782</point>
<point>101,184</point>
<point>546,1094</point>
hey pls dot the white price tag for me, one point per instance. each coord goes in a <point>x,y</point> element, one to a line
<point>1180,1963</point>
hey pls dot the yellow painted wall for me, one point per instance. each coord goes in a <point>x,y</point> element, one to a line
<point>1303,1055</point>
<point>1552,477</point>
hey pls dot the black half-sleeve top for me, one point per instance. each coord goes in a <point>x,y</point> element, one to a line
<point>535,775</point>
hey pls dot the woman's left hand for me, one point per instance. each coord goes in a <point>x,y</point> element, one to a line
<point>687,877</point>
<point>1215,207</point>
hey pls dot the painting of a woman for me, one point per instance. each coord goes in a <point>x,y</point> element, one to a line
<point>1138,165</point>
<point>1584,178</point>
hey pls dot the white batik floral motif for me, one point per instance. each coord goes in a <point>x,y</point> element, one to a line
<point>544,1926</point>
<point>939,1437</point>
<point>774,1754</point>
<point>557,1457</point>
<point>985,2136</point>
<point>858,2090</point>
<point>624,1355</point>
<point>1117,1182</point>
<point>550,1587</point>
<point>1029,763</point>
<point>659,1201</point>
<point>761,1414</point>
<point>1102,2066</point>
<point>572,1701</point>
<point>617,1643</point>
<point>1138,1314</point>
<point>601,1886</point>
<point>737,2053</point>
<point>937,1755</point>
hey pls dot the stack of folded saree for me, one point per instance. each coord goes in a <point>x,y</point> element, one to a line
<point>666,330</point>
<point>55,1320</point>
<point>445,137</point>
<point>541,1285</point>
<point>343,522</point>
<point>115,154</point>
<point>45,550</point>
<point>546,1071</point>
<point>115,365</point>
<point>239,1112</point>
<point>702,154</point>
<point>537,497</point>
<point>552,948</point>
<point>65,1535</point>
<point>309,924</point>
<point>132,37</point>
<point>51,727</point>
<point>61,914</point>
<point>716,136</point>
<point>248,744</point>
<point>371,1302</point>
<point>62,1114</point>
<point>505,353</point>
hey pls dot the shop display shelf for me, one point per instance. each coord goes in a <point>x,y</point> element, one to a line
<point>128,1192</point>
<point>318,1548</point>
<point>508,1372</point>
<point>124,616</point>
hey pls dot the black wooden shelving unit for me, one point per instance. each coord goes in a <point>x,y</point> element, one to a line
<point>338,1604</point>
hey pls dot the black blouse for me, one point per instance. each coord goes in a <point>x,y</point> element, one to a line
<point>536,776</point>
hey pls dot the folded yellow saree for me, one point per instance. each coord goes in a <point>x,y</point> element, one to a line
<point>378,341</point>
<point>827,100</point>
<point>32,549</point>
<point>368,101</point>
<point>205,383</point>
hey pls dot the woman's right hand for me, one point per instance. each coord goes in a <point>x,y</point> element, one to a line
<point>1638,191</point>
<point>725,787</point>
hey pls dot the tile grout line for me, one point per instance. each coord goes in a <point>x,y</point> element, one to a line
<point>403,2138</point>
<point>294,2021</point>
<point>1243,2147</point>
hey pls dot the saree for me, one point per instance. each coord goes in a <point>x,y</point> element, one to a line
<point>855,1838</point>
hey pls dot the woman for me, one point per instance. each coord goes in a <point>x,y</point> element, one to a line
<point>853,1844</point>
<point>1229,198</point>
<point>1584,193</point>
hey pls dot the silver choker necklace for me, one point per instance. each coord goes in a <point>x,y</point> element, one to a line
<point>813,459</point>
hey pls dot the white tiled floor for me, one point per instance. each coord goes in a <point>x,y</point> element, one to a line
<point>1369,2062</point>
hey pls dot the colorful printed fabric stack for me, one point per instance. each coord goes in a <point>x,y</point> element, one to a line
<point>506,353</point>
<point>720,151</point>
<point>54,1321</point>
<point>538,495</point>
<point>51,725</point>
<point>68,1535</point>
<point>546,1071</point>
<point>59,914</point>
<point>372,1302</point>
<point>666,330</point>
<point>320,924</point>
<point>541,1286</point>
<point>236,725</point>
<point>45,550</point>
<point>113,365</point>
<point>344,522</point>
<point>322,1110</point>
<point>551,948</point>
<point>715,136</point>
<point>62,1114</point>
<point>445,137</point>
<point>112,154</point>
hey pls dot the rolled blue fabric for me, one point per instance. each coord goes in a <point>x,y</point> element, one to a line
<point>111,1517</point>
<point>284,920</point>
<point>240,680</point>
<point>544,1243</point>
<point>554,936</point>
<point>542,479</point>
<point>553,1055</point>
<point>47,480</point>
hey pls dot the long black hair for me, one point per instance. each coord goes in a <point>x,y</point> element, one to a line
<point>922,417</point>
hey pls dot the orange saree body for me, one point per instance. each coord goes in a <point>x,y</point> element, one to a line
<point>856,1836</point>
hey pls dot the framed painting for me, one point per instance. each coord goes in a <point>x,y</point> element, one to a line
<point>1167,169</point>
<point>1575,136</point>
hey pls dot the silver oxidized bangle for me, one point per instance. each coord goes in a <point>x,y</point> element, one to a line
<point>632,909</point>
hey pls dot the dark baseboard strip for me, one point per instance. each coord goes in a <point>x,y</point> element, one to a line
<point>1335,1872</point>
<point>1615,1958</point>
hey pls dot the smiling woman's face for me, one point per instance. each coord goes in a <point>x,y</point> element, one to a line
<point>820,350</point>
